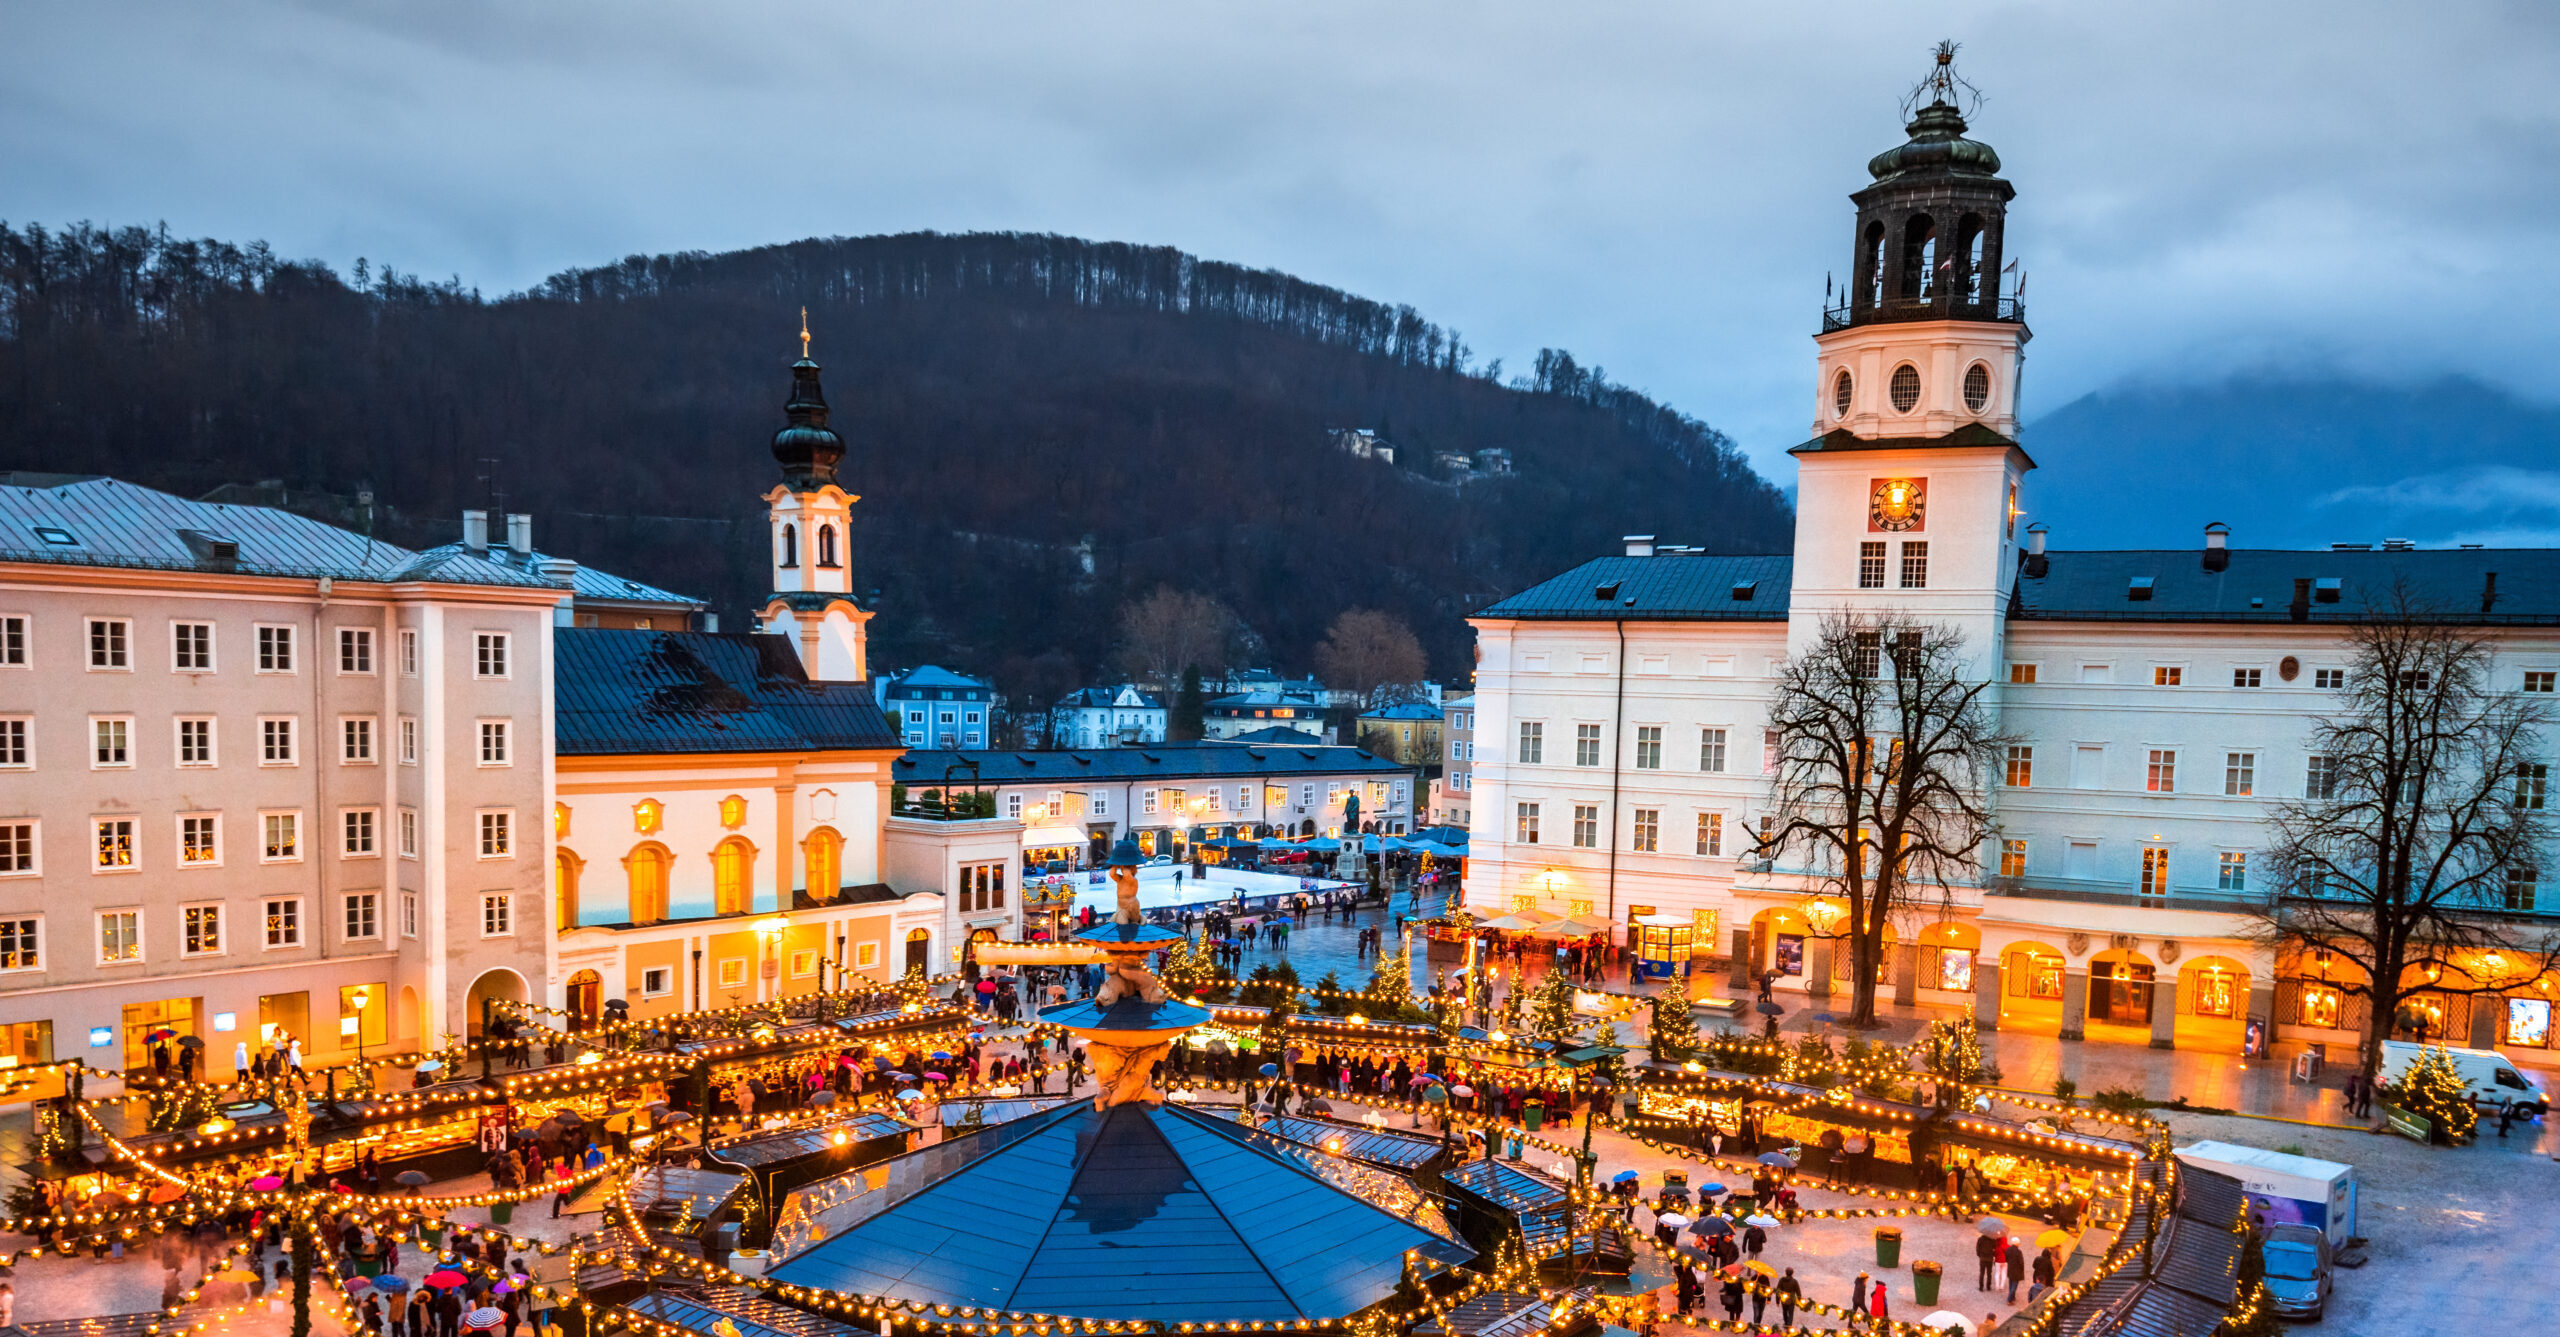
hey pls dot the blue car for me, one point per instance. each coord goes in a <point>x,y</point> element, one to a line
<point>2298,1270</point>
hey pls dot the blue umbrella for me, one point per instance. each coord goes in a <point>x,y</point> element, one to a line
<point>391,1281</point>
<point>940,1057</point>
<point>1624,1177</point>
<point>1711,1188</point>
<point>1270,1069</point>
<point>903,1078</point>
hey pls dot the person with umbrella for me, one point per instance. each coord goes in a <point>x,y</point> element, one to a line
<point>1986,1250</point>
<point>1733,1295</point>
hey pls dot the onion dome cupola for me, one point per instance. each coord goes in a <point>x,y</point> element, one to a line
<point>1928,242</point>
<point>806,448</point>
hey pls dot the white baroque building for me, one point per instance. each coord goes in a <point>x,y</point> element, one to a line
<point>2163,697</point>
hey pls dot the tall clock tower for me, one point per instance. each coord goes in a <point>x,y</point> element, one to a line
<point>810,519</point>
<point>1908,495</point>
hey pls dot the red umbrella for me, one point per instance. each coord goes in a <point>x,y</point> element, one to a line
<point>445,1278</point>
<point>264,1182</point>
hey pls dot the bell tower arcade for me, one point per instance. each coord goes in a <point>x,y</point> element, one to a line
<point>810,516</point>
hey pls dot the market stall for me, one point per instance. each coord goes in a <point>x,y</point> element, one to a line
<point>777,1162</point>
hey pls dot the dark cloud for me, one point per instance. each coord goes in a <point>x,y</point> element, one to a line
<point>1660,187</point>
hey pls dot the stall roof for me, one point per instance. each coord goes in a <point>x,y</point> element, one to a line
<point>1513,1188</point>
<point>754,1317</point>
<point>1129,1212</point>
<point>998,1109</point>
<point>1372,1146</point>
<point>1499,1314</point>
<point>791,1144</point>
<point>701,1194</point>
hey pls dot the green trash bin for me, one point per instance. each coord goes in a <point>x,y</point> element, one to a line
<point>1888,1246</point>
<point>1534,1117</point>
<point>1924,1282</point>
<point>501,1212</point>
<point>433,1233</point>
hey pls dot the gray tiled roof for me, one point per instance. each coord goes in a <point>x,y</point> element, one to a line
<point>118,524</point>
<point>588,584</point>
<point>1672,587</point>
<point>620,692</point>
<point>1150,763</point>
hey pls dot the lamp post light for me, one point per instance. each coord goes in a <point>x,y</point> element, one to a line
<point>355,1025</point>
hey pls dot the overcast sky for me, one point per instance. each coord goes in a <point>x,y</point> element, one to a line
<point>1658,187</point>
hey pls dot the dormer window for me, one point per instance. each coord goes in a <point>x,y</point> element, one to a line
<point>54,536</point>
<point>827,546</point>
<point>2138,589</point>
<point>2325,589</point>
<point>790,546</point>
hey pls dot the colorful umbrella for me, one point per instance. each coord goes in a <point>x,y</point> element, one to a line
<point>1777,1158</point>
<point>1462,1090</point>
<point>445,1278</point>
<point>1762,1268</point>
<point>159,1033</point>
<point>939,1056</point>
<point>168,1193</point>
<point>346,1284</point>
<point>1672,1219</point>
<point>1625,1177</point>
<point>431,1065</point>
<point>936,1077</point>
<point>264,1183</point>
<point>911,1094</point>
<point>1269,1070</point>
<point>484,1318</point>
<point>391,1281</point>
<point>2054,1239</point>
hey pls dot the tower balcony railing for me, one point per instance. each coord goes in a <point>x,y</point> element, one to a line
<point>2004,310</point>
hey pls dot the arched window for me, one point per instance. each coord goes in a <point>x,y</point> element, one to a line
<point>826,545</point>
<point>790,546</point>
<point>564,893</point>
<point>733,866</point>
<point>1871,266</point>
<point>824,850</point>
<point>1919,257</point>
<point>646,866</point>
<point>1969,246</point>
<point>1841,385</point>
<point>1977,388</point>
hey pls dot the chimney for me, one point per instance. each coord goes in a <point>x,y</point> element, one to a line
<point>520,532</point>
<point>560,571</point>
<point>1639,545</point>
<point>2489,593</point>
<point>2037,565</point>
<point>2217,546</point>
<point>2301,598</point>
<point>711,622</point>
<point>475,530</point>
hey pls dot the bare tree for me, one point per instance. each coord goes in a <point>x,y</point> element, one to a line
<point>1172,630</point>
<point>2416,843</point>
<point>1885,752</point>
<point>1372,654</point>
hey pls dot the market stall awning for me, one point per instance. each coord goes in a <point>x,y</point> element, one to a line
<point>1579,926</point>
<point>1053,837</point>
<point>1518,921</point>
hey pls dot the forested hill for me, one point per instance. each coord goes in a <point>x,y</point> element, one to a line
<point>1008,399</point>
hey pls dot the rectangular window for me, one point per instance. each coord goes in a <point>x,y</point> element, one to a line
<point>1711,834</point>
<point>1102,804</point>
<point>13,641</point>
<point>114,844</point>
<point>659,981</point>
<point>21,943</point>
<point>2320,777</point>
<point>355,650</point>
<point>489,654</point>
<point>2523,880</point>
<point>1533,742</point>
<point>497,834</point>
<point>498,915</point>
<point>2155,871</point>
<point>1146,800</point>
<point>364,915</point>
<point>16,753</point>
<point>2089,766</point>
<point>199,839</point>
<point>2533,781</point>
<point>1915,565</point>
<point>284,921</point>
<point>1868,651</point>
<point>494,738</point>
<point>17,849</point>
<point>110,643</point>
<point>804,963</point>
<point>195,741</point>
<point>1528,832</point>
<point>200,930</point>
<point>356,837</point>
<point>111,742</point>
<point>2329,680</point>
<point>733,973</point>
<point>408,740</point>
<point>275,741</point>
<point>408,654</point>
<point>2161,774</point>
<point>1586,825</point>
<point>2167,675</point>
<point>1871,565</point>
<point>2233,874</point>
<point>282,836</point>
<point>1586,745</point>
<point>1711,751</point>
<point>2022,766</point>
<point>408,914</point>
<point>2247,677</point>
<point>191,647</point>
<point>1648,832</point>
<point>355,740</point>
<point>1769,751</point>
<point>2022,673</point>
<point>119,937</point>
<point>1649,747</point>
<point>1013,804</point>
<point>2535,680</point>
<point>408,833</point>
<point>2013,858</point>
<point>275,649</point>
<point>2239,774</point>
<point>2093,673</point>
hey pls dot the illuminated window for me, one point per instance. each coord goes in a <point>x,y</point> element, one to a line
<point>732,867</point>
<point>733,812</point>
<point>2013,858</point>
<point>497,915</point>
<point>119,937</point>
<point>2162,775</point>
<point>2022,766</point>
<point>2155,871</point>
<point>647,815</point>
<point>284,921</point>
<point>2240,774</point>
<point>564,896</point>
<point>1711,834</point>
<point>2022,673</point>
<point>1528,830</point>
<point>2035,975</point>
<point>2321,1006</point>
<point>2216,992</point>
<point>2167,675</point>
<point>647,866</point>
<point>199,840</point>
<point>2234,871</point>
<point>733,973</point>
<point>824,851</point>
<point>497,834</point>
<point>1586,825</point>
<point>1648,830</point>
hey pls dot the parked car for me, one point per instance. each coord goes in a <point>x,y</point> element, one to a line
<point>2491,1079</point>
<point>2298,1270</point>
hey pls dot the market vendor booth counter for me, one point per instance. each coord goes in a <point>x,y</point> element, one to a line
<point>777,1162</point>
<point>1492,1198</point>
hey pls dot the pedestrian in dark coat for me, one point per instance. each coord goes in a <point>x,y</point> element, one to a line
<point>1986,1253</point>
<point>2017,1261</point>
<point>1733,1299</point>
<point>1790,1291</point>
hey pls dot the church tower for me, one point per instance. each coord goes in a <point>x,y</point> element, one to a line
<point>1908,494</point>
<point>809,517</point>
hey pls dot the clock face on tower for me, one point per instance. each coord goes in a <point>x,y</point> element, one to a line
<point>1898,505</point>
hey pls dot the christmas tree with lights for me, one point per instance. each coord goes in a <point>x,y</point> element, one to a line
<point>1674,1033</point>
<point>1551,1006</point>
<point>915,989</point>
<point>2434,1088</point>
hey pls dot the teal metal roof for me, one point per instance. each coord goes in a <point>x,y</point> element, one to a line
<point>1670,587</point>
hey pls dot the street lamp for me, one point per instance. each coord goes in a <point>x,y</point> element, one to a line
<point>354,1025</point>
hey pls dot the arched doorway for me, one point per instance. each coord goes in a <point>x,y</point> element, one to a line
<point>404,1016</point>
<point>919,952</point>
<point>499,985</point>
<point>2120,988</point>
<point>1943,957</point>
<point>2213,1001</point>
<point>2031,983</point>
<point>586,999</point>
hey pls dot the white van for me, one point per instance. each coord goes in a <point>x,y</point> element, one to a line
<point>2489,1077</point>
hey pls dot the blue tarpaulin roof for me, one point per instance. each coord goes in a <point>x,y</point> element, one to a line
<point>1131,1212</point>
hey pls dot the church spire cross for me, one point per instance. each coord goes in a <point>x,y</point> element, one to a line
<point>1943,87</point>
<point>804,334</point>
